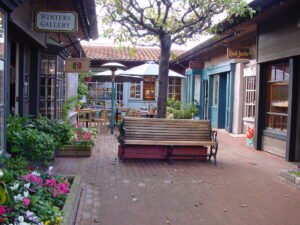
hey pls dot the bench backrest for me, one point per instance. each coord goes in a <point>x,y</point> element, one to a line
<point>166,129</point>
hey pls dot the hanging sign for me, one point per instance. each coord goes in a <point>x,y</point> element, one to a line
<point>77,65</point>
<point>238,53</point>
<point>196,64</point>
<point>56,21</point>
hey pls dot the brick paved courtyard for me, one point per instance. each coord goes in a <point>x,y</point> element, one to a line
<point>244,188</point>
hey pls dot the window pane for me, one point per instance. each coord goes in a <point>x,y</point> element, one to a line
<point>135,90</point>
<point>250,97</point>
<point>277,97</point>
<point>2,34</point>
<point>1,81</point>
<point>215,90</point>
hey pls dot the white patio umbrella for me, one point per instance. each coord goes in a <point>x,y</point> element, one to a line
<point>105,76</point>
<point>148,69</point>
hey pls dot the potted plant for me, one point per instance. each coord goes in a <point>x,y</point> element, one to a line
<point>80,144</point>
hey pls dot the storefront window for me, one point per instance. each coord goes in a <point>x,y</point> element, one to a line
<point>149,88</point>
<point>174,88</point>
<point>250,91</point>
<point>52,92</point>
<point>2,75</point>
<point>277,97</point>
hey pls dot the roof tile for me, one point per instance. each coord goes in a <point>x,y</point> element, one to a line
<point>117,53</point>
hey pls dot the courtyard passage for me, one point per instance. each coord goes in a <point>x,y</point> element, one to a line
<point>244,188</point>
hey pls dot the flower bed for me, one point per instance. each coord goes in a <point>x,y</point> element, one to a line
<point>33,198</point>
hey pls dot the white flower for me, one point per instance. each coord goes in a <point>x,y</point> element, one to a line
<point>35,173</point>
<point>1,173</point>
<point>15,187</point>
<point>29,213</point>
<point>27,185</point>
<point>25,193</point>
<point>50,169</point>
<point>18,197</point>
<point>21,219</point>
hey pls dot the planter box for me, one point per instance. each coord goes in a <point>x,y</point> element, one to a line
<point>160,152</point>
<point>72,202</point>
<point>74,151</point>
<point>289,176</point>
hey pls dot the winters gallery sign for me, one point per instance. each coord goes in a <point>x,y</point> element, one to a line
<point>55,21</point>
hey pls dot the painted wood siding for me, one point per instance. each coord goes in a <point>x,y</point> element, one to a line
<point>279,38</point>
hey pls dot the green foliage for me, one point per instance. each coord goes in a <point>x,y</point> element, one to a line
<point>70,101</point>
<point>17,164</point>
<point>175,108</point>
<point>36,139</point>
<point>34,145</point>
<point>82,89</point>
<point>186,113</point>
<point>60,131</point>
<point>174,104</point>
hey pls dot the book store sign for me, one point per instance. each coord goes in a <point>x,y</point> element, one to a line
<point>238,53</point>
<point>55,21</point>
<point>77,65</point>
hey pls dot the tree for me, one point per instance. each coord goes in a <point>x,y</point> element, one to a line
<point>164,22</point>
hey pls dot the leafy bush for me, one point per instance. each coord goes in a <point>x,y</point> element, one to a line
<point>34,145</point>
<point>17,164</point>
<point>36,139</point>
<point>174,107</point>
<point>172,103</point>
<point>61,132</point>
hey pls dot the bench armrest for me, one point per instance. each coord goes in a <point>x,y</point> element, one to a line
<point>213,135</point>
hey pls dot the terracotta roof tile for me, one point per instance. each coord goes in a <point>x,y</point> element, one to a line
<point>116,53</point>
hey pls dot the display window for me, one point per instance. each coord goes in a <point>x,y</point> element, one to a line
<point>277,97</point>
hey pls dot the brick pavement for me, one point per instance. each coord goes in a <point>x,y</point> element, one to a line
<point>243,189</point>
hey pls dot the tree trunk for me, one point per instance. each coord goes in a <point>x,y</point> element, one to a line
<point>165,47</point>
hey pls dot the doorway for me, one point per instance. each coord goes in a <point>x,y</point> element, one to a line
<point>218,100</point>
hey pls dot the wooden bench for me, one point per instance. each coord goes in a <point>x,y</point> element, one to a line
<point>169,133</point>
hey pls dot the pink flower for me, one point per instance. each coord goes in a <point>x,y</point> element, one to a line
<point>31,189</point>
<point>26,201</point>
<point>87,136</point>
<point>63,188</point>
<point>51,182</point>
<point>33,179</point>
<point>2,210</point>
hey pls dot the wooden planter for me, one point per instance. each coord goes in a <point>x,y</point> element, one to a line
<point>71,205</point>
<point>75,151</point>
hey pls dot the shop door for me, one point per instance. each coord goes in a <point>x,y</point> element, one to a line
<point>218,92</point>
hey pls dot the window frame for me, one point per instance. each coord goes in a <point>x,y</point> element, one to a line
<point>140,83</point>
<point>5,81</point>
<point>172,85</point>
<point>275,108</point>
<point>250,98</point>
<point>215,94</point>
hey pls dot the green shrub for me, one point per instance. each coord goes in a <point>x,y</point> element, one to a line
<point>61,132</point>
<point>36,139</point>
<point>17,164</point>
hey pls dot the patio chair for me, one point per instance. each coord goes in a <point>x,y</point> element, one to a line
<point>102,120</point>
